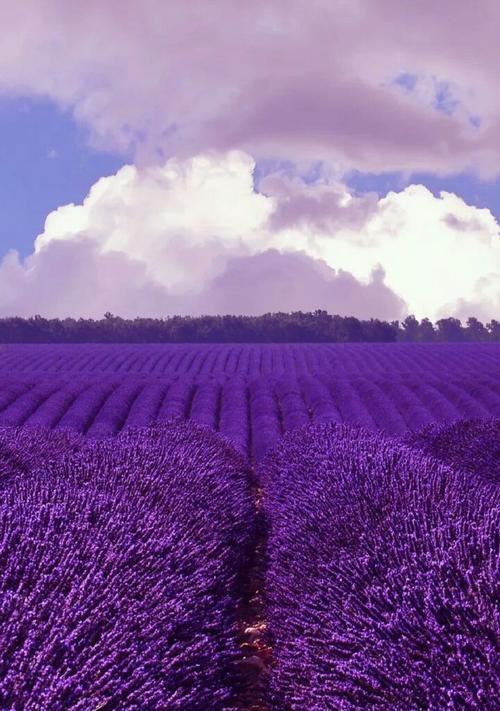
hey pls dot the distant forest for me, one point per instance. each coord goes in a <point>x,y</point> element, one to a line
<point>316,327</point>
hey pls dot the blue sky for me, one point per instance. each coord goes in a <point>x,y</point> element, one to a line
<point>474,191</point>
<point>45,162</point>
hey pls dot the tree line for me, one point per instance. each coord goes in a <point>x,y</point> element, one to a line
<point>317,327</point>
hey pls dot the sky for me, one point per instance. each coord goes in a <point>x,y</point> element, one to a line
<point>224,157</point>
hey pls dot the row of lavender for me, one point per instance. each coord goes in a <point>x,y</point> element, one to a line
<point>250,360</point>
<point>382,575</point>
<point>122,567</point>
<point>253,414</point>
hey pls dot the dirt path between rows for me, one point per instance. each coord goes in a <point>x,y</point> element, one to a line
<point>257,654</point>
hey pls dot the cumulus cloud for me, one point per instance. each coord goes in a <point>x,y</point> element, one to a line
<point>294,281</point>
<point>465,225</point>
<point>322,206</point>
<point>180,219</point>
<point>195,236</point>
<point>316,80</point>
<point>484,303</point>
<point>75,278</point>
<point>428,261</point>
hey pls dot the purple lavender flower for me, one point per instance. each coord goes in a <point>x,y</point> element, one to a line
<point>470,445</point>
<point>381,587</point>
<point>120,575</point>
<point>23,450</point>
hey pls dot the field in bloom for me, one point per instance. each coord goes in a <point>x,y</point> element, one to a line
<point>337,548</point>
<point>251,393</point>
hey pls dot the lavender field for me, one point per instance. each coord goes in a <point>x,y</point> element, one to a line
<point>250,393</point>
<point>335,548</point>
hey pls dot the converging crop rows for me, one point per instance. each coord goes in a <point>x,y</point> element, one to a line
<point>289,541</point>
<point>252,394</point>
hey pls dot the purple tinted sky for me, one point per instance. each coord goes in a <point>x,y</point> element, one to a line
<point>324,107</point>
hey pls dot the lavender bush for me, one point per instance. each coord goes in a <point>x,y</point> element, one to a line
<point>382,579</point>
<point>23,450</point>
<point>83,411</point>
<point>120,573</point>
<point>234,421</point>
<point>470,445</point>
<point>266,421</point>
<point>289,395</point>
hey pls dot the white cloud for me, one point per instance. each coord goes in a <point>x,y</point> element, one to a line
<point>177,219</point>
<point>483,303</point>
<point>429,259</point>
<point>172,238</point>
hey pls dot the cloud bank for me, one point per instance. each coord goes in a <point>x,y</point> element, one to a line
<point>373,85</point>
<point>294,281</point>
<point>194,236</point>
